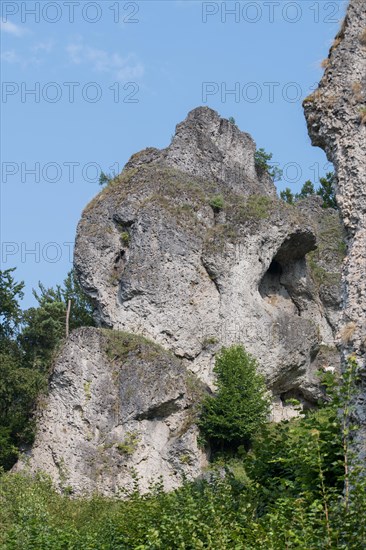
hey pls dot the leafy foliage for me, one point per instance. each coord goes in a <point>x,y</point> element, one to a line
<point>104,179</point>
<point>10,312</point>
<point>287,196</point>
<point>45,325</point>
<point>28,341</point>
<point>325,191</point>
<point>240,406</point>
<point>217,203</point>
<point>262,164</point>
<point>296,484</point>
<point>306,190</point>
<point>293,489</point>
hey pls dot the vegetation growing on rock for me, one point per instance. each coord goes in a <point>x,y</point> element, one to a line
<point>28,343</point>
<point>239,407</point>
<point>287,492</point>
<point>326,191</point>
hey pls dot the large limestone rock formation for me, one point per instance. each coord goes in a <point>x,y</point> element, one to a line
<point>119,406</point>
<point>191,249</point>
<point>161,260</point>
<point>336,117</point>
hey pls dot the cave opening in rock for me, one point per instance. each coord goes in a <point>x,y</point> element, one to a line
<point>271,287</point>
<point>285,277</point>
<point>275,269</point>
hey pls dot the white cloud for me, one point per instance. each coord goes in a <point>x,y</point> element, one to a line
<point>46,47</point>
<point>24,61</point>
<point>123,68</point>
<point>34,56</point>
<point>10,56</point>
<point>11,28</point>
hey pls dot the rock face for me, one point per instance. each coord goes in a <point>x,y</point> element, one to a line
<point>161,260</point>
<point>336,118</point>
<point>119,405</point>
<point>190,248</point>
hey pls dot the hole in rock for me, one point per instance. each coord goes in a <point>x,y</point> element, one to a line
<point>297,395</point>
<point>283,282</point>
<point>273,291</point>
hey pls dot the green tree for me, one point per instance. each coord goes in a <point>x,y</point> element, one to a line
<point>262,164</point>
<point>104,179</point>
<point>306,190</point>
<point>27,344</point>
<point>19,386</point>
<point>327,190</point>
<point>10,312</point>
<point>287,196</point>
<point>81,314</point>
<point>240,406</point>
<point>19,389</point>
<point>45,325</point>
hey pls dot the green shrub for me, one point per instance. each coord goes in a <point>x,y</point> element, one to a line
<point>293,489</point>
<point>125,236</point>
<point>326,191</point>
<point>261,160</point>
<point>104,179</point>
<point>129,444</point>
<point>240,406</point>
<point>217,203</point>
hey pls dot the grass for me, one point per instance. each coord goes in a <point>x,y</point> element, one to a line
<point>209,341</point>
<point>129,444</point>
<point>254,208</point>
<point>125,238</point>
<point>336,43</point>
<point>320,275</point>
<point>119,344</point>
<point>217,203</point>
<point>347,332</point>
<point>87,390</point>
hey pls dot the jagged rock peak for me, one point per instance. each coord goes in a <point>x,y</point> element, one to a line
<point>208,146</point>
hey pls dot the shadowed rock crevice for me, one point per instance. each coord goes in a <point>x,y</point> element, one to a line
<point>162,410</point>
<point>273,291</point>
<point>287,274</point>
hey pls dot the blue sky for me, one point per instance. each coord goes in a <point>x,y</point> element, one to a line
<point>113,77</point>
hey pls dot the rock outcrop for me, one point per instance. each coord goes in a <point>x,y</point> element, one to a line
<point>336,118</point>
<point>162,258</point>
<point>119,407</point>
<point>190,248</point>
